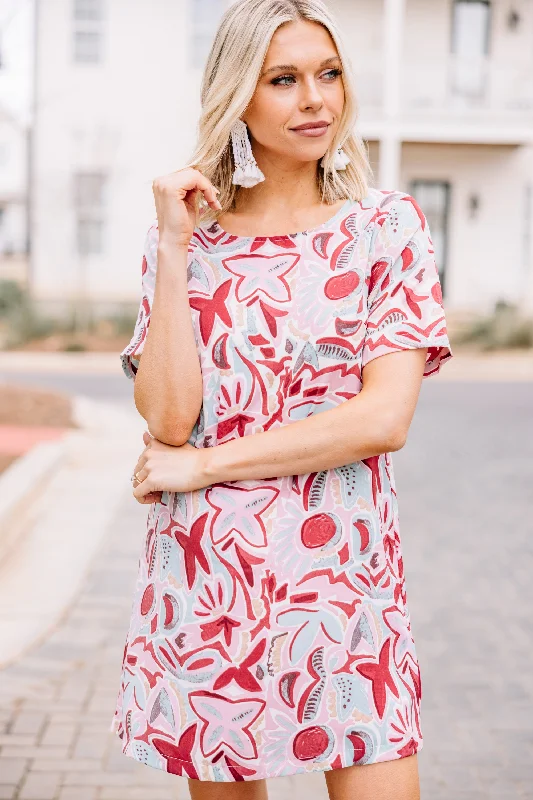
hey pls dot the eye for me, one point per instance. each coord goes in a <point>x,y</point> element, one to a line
<point>277,81</point>
<point>330,76</point>
<point>334,73</point>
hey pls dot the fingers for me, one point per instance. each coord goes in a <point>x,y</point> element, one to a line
<point>140,466</point>
<point>147,438</point>
<point>209,191</point>
<point>153,496</point>
<point>187,180</point>
<point>141,462</point>
<point>143,488</point>
<point>141,474</point>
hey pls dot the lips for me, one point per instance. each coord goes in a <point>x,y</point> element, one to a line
<point>308,125</point>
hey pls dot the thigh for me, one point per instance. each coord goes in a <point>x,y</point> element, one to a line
<point>387,780</point>
<point>240,790</point>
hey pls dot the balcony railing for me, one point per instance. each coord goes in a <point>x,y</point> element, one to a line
<point>471,87</point>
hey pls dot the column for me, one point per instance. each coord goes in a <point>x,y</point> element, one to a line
<point>390,142</point>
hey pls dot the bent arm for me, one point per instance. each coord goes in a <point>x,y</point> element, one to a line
<point>168,384</point>
<point>374,421</point>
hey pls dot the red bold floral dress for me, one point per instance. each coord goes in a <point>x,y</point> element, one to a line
<point>270,633</point>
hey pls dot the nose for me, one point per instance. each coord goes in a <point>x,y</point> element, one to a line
<point>311,96</point>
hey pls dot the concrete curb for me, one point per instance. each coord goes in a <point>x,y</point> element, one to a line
<point>75,363</point>
<point>508,366</point>
<point>69,508</point>
<point>20,480</point>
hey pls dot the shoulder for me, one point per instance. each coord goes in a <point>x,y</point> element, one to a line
<point>396,221</point>
<point>397,207</point>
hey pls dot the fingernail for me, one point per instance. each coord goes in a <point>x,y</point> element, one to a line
<point>216,190</point>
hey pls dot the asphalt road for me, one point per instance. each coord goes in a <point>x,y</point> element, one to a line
<point>109,388</point>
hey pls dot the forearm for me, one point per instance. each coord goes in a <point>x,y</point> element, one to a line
<point>358,428</point>
<point>168,384</point>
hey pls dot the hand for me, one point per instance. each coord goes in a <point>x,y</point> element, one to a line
<point>176,203</point>
<point>165,468</point>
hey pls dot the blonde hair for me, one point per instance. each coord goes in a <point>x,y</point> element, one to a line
<point>228,84</point>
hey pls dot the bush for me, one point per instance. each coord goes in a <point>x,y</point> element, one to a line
<point>11,296</point>
<point>21,322</point>
<point>505,327</point>
<point>124,322</point>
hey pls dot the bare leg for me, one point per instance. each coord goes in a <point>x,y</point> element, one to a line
<point>240,790</point>
<point>387,780</point>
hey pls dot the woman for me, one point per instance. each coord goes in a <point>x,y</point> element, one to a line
<point>270,633</point>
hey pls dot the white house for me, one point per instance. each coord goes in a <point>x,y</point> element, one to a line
<point>446,94</point>
<point>15,125</point>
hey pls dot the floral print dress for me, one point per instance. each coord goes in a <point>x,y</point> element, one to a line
<point>270,633</point>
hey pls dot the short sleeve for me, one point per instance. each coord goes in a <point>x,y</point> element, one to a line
<point>404,299</point>
<point>148,272</point>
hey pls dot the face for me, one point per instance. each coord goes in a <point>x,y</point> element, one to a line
<point>300,83</point>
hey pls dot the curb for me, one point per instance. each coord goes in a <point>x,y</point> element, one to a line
<point>17,483</point>
<point>73,488</point>
<point>509,366</point>
<point>60,362</point>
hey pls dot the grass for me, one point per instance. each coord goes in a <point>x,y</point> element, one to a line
<point>506,327</point>
<point>22,324</point>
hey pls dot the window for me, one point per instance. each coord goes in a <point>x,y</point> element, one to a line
<point>88,31</point>
<point>433,197</point>
<point>470,46</point>
<point>88,10</point>
<point>90,200</point>
<point>2,230</point>
<point>470,30</point>
<point>205,16</point>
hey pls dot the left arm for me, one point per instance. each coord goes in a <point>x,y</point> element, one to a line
<point>375,421</point>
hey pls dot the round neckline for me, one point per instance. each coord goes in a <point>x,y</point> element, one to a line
<point>338,213</point>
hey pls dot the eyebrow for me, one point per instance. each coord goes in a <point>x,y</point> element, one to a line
<point>294,68</point>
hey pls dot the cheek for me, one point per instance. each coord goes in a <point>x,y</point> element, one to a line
<point>269,115</point>
<point>336,100</point>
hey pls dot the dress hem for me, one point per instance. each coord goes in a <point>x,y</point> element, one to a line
<point>392,755</point>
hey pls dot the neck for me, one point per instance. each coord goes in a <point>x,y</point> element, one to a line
<point>288,184</point>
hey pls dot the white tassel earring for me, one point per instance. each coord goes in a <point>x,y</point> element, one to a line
<point>246,172</point>
<point>340,160</point>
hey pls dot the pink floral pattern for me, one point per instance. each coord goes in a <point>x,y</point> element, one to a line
<point>270,633</point>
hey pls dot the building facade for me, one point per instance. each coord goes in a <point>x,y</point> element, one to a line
<point>16,70</point>
<point>446,95</point>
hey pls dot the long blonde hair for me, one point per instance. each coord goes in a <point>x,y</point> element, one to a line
<point>228,84</point>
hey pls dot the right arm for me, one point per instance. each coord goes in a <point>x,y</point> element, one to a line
<point>168,387</point>
<point>168,384</point>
